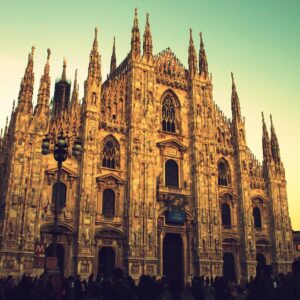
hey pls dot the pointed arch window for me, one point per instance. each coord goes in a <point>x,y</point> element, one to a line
<point>171,173</point>
<point>257,218</point>
<point>224,177</point>
<point>226,215</point>
<point>168,114</point>
<point>110,153</point>
<point>59,192</point>
<point>108,204</point>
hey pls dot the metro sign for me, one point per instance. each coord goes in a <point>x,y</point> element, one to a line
<point>39,249</point>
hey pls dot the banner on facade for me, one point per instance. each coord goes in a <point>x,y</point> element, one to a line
<point>176,216</point>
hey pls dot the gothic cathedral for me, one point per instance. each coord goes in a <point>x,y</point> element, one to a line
<point>165,184</point>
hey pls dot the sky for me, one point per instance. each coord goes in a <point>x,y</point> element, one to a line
<point>259,41</point>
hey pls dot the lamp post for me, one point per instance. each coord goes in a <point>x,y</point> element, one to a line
<point>60,153</point>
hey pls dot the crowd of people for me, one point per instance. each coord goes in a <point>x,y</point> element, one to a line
<point>118,287</point>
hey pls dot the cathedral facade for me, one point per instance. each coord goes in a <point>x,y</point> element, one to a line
<point>165,184</point>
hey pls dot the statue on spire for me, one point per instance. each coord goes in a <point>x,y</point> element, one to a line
<point>266,141</point>
<point>26,87</point>
<point>274,143</point>
<point>135,37</point>
<point>203,65</point>
<point>235,102</point>
<point>74,98</point>
<point>94,71</point>
<point>192,56</point>
<point>147,42</point>
<point>113,61</point>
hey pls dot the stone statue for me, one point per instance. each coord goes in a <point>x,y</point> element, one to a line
<point>30,230</point>
<point>150,211</point>
<point>87,204</point>
<point>11,230</point>
<point>86,235</point>
<point>136,209</point>
<point>150,239</point>
<point>217,244</point>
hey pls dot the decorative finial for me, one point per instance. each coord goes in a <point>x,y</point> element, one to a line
<point>191,32</point>
<point>262,115</point>
<point>48,53</point>
<point>76,75</point>
<point>64,62</point>
<point>201,41</point>
<point>232,78</point>
<point>96,31</point>
<point>271,119</point>
<point>32,50</point>
<point>135,12</point>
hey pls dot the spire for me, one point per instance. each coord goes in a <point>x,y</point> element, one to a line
<point>44,89</point>
<point>63,75</point>
<point>113,61</point>
<point>6,127</point>
<point>192,56</point>
<point>26,87</point>
<point>235,102</point>
<point>147,43</point>
<point>265,140</point>
<point>274,143</point>
<point>74,100</point>
<point>135,37</point>
<point>94,72</point>
<point>203,66</point>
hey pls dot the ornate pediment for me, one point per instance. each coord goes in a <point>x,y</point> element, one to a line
<point>172,144</point>
<point>66,174</point>
<point>109,180</point>
<point>168,65</point>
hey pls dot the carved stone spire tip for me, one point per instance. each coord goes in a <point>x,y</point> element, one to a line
<point>48,53</point>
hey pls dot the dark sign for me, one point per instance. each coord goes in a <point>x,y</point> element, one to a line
<point>176,216</point>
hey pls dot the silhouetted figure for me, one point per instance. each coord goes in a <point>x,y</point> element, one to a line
<point>262,286</point>
<point>120,289</point>
<point>175,290</point>
<point>197,288</point>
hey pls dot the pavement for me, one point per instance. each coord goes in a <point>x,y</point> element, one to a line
<point>186,295</point>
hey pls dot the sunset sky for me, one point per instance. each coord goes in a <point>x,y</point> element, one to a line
<point>259,41</point>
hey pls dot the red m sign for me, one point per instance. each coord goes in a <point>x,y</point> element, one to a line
<point>39,249</point>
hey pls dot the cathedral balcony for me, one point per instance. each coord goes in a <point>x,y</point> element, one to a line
<point>165,191</point>
<point>101,219</point>
<point>229,228</point>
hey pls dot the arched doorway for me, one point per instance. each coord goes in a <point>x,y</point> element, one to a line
<point>173,258</point>
<point>106,261</point>
<point>228,265</point>
<point>261,260</point>
<point>60,254</point>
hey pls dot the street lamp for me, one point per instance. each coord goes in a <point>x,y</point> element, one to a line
<point>60,153</point>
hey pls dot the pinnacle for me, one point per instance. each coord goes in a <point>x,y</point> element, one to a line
<point>48,53</point>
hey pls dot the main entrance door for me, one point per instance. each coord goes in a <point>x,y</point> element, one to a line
<point>261,260</point>
<point>228,265</point>
<point>60,254</point>
<point>173,258</point>
<point>106,261</point>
